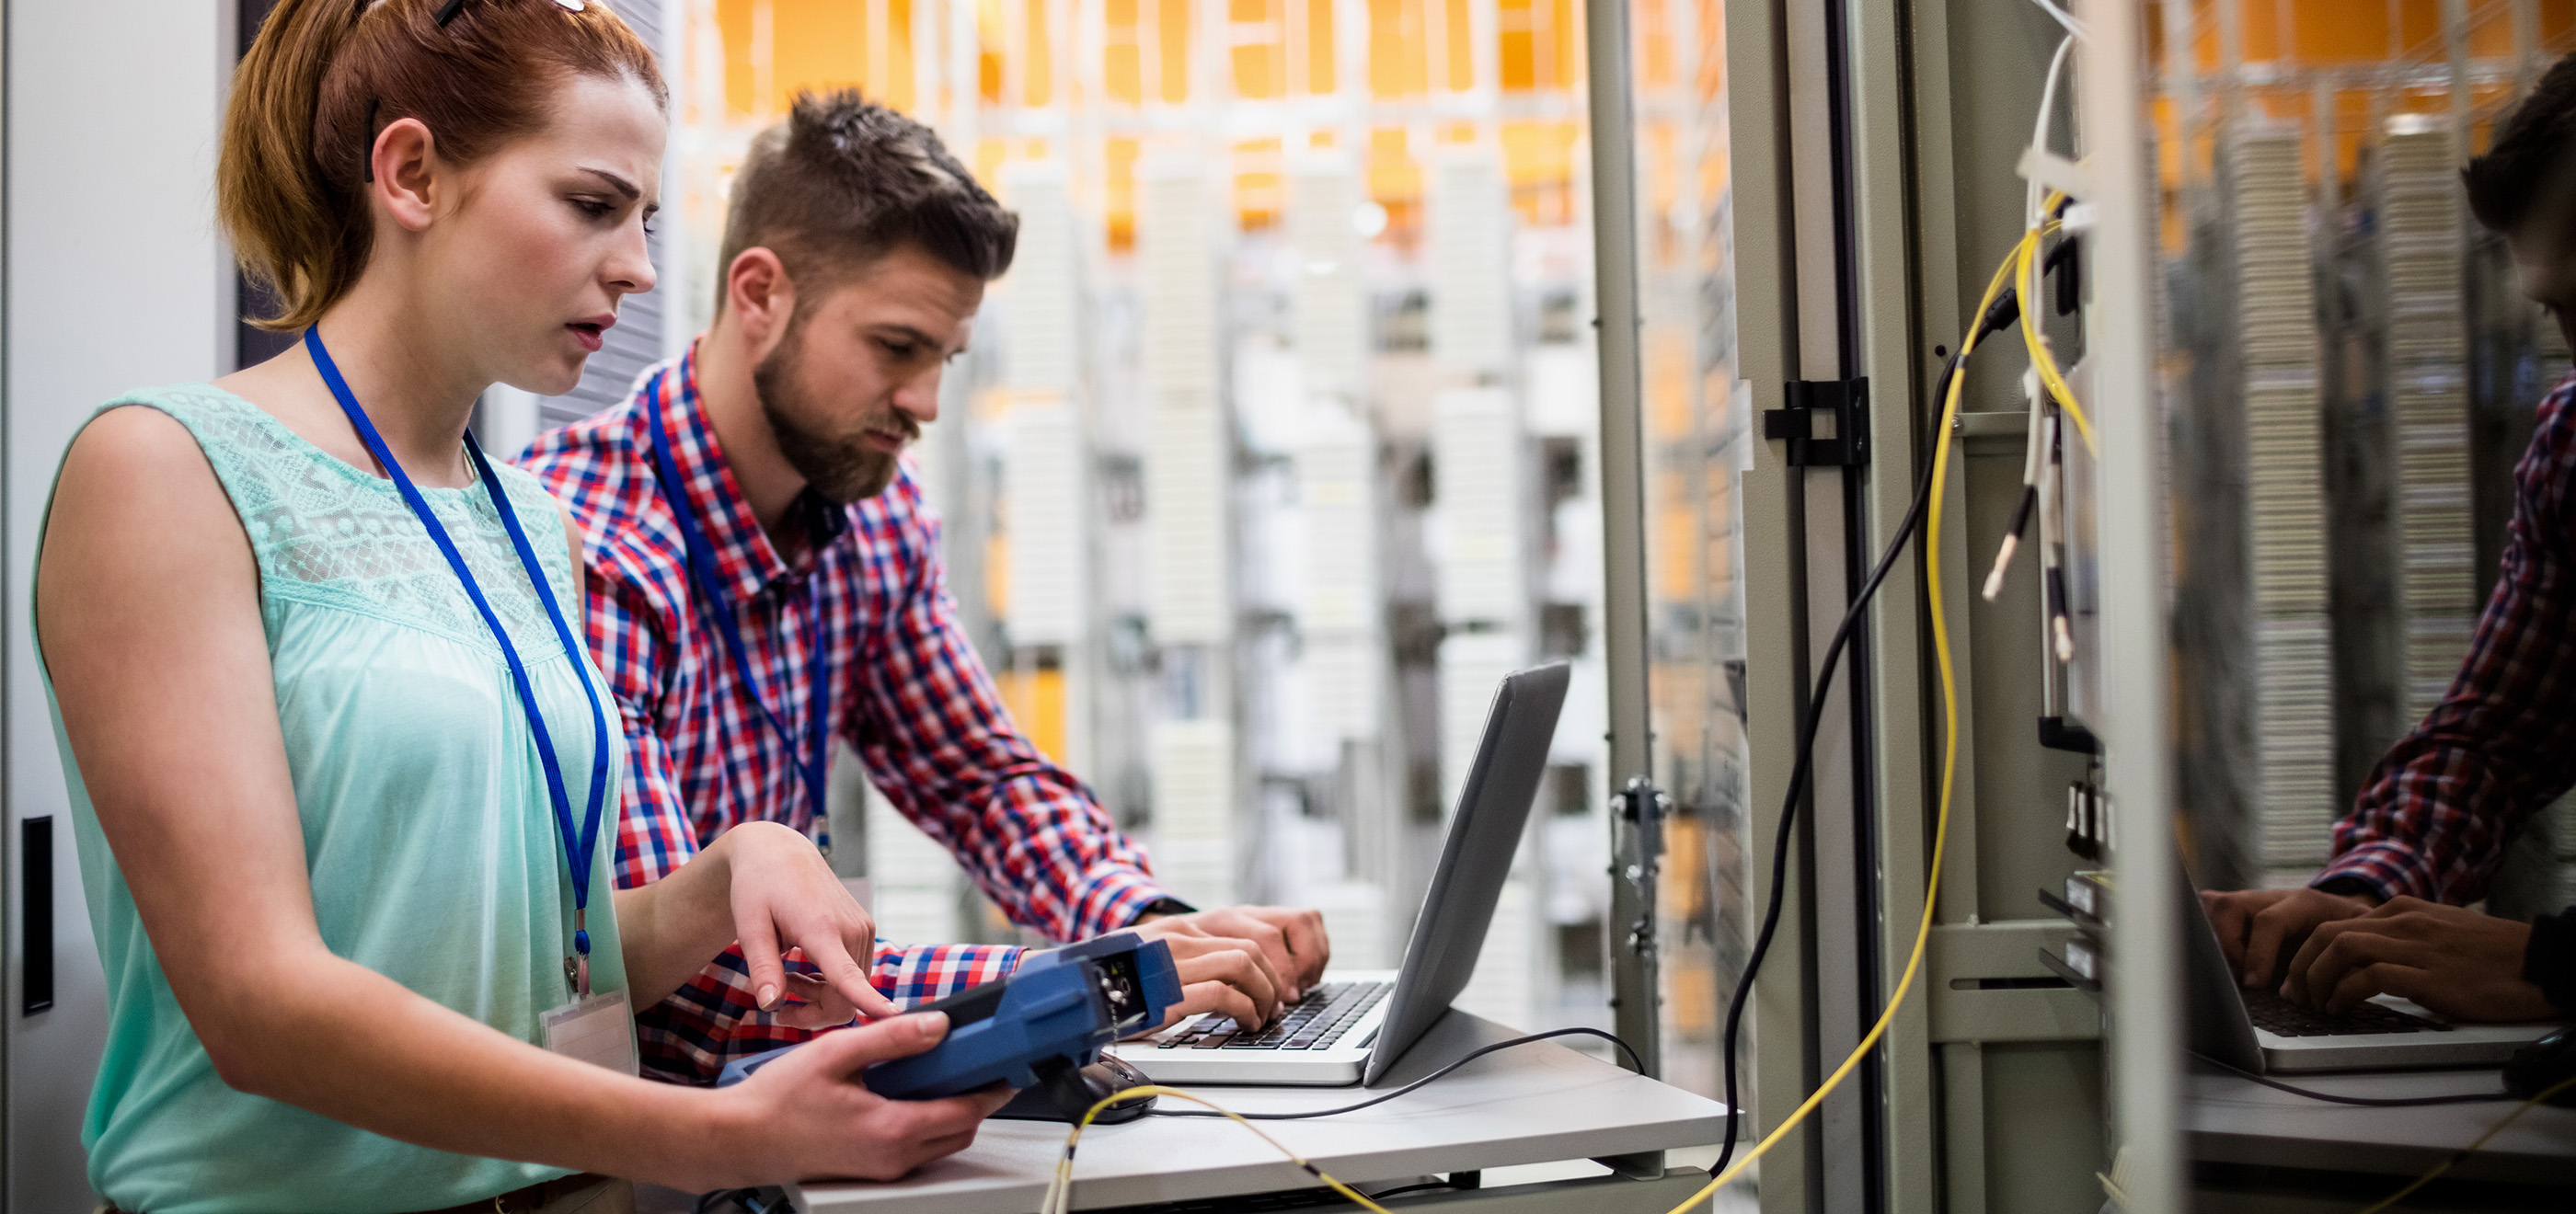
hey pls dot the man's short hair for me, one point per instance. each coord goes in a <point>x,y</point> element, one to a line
<point>845,181</point>
<point>2525,152</point>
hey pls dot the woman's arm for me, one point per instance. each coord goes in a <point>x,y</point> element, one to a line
<point>148,620</point>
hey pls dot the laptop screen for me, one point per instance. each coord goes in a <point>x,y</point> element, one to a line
<point>1485,832</point>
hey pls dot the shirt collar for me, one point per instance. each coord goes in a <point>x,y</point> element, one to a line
<point>747,564</point>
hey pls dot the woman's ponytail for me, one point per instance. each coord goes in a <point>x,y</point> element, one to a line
<point>324,76</point>
<point>290,226</point>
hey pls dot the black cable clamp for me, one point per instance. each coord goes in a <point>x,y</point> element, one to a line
<point>2066,733</point>
<point>1841,441</point>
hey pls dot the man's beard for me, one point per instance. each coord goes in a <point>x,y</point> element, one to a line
<point>842,471</point>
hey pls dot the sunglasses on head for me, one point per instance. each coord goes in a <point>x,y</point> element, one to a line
<point>446,13</point>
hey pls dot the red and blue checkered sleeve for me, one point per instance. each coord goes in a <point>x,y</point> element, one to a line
<point>654,836</point>
<point>922,973</point>
<point>936,740</point>
<point>2439,811</point>
<point>683,1038</point>
<point>694,1034</point>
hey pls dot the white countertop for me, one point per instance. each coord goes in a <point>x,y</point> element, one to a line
<point>1529,1104</point>
<point>2235,1120</point>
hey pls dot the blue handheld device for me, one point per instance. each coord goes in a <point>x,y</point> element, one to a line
<point>1036,1028</point>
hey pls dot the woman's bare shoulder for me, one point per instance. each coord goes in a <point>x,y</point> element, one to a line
<point>133,455</point>
<point>136,481</point>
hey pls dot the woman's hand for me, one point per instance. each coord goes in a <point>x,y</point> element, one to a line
<point>785,895</point>
<point>768,888</point>
<point>2453,960</point>
<point>807,1116</point>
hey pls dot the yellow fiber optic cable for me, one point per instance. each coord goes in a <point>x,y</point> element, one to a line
<point>2041,358</point>
<point>1059,1196</point>
<point>1060,1190</point>
<point>2465,1152</point>
<point>1949,734</point>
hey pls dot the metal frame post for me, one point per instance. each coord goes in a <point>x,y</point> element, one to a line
<point>1634,982</point>
<point>2146,1043</point>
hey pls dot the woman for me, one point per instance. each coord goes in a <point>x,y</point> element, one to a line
<point>337,761</point>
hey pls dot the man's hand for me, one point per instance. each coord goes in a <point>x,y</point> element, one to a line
<point>807,1117</point>
<point>785,895</point>
<point>1242,960</point>
<point>1223,975</point>
<point>2257,928</point>
<point>2455,961</point>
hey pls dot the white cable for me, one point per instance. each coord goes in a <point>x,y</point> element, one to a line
<point>2074,27</point>
<point>2033,455</point>
<point>2039,131</point>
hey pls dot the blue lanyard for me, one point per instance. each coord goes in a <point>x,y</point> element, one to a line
<point>815,764</point>
<point>578,846</point>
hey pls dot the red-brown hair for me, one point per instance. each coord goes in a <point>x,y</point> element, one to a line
<point>325,76</point>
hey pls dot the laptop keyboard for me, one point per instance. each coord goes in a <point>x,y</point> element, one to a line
<point>1316,1022</point>
<point>2271,1012</point>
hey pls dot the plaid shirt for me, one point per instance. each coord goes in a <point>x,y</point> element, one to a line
<point>909,696</point>
<point>2442,807</point>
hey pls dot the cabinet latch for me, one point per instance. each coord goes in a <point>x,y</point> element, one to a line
<point>1826,424</point>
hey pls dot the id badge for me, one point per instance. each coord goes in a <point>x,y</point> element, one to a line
<point>599,1030</point>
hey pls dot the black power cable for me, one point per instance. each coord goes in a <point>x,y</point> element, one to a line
<point>1424,1187</point>
<point>2005,311</point>
<point>2369,1102</point>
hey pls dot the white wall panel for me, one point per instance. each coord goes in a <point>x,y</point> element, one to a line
<point>115,281</point>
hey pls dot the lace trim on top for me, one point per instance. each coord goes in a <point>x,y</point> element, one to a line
<point>333,535</point>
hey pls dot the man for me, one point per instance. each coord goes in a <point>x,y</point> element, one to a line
<point>763,575</point>
<point>2439,812</point>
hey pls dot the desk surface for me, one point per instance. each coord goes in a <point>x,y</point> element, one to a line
<point>2235,1120</point>
<point>1530,1104</point>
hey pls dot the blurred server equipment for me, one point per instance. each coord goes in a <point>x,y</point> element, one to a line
<point>1187,445</point>
<point>2294,804</point>
<point>1194,832</point>
<point>1337,613</point>
<point>1476,461</point>
<point>1470,245</point>
<point>1042,483</point>
<point>1041,295</point>
<point>915,881</point>
<point>1328,291</point>
<point>2428,380</point>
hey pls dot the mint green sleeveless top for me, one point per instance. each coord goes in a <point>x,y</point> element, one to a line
<point>427,829</point>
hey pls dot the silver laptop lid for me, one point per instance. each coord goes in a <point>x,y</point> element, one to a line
<point>1493,806</point>
<point>2217,1024</point>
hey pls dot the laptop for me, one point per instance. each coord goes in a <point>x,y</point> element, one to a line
<point>2262,1032</point>
<point>1353,1027</point>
